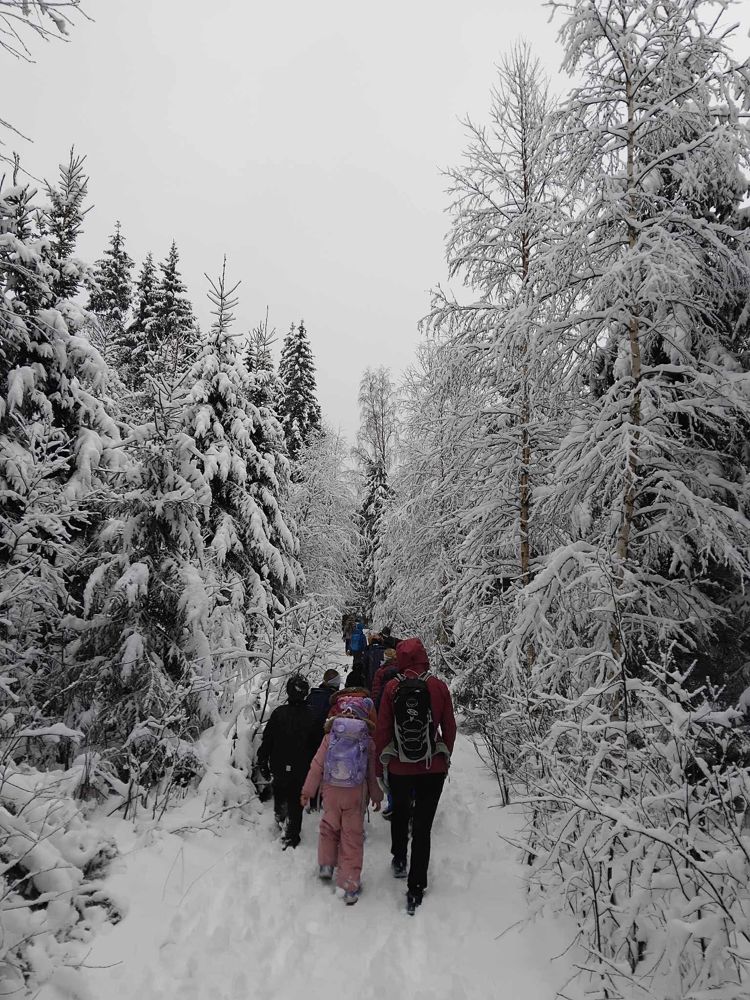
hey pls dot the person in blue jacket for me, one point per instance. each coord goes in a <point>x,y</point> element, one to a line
<point>358,646</point>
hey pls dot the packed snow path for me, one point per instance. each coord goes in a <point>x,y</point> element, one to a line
<point>232,917</point>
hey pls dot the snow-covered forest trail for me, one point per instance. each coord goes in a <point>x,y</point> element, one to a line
<point>232,917</point>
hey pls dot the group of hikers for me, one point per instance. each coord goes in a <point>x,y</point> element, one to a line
<point>388,733</point>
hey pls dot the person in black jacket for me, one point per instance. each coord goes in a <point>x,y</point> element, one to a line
<point>284,756</point>
<point>388,640</point>
<point>373,659</point>
<point>319,702</point>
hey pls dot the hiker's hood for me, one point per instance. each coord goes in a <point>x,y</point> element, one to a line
<point>412,656</point>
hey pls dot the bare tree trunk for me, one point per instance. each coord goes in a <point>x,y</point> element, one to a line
<point>524,500</point>
<point>630,486</point>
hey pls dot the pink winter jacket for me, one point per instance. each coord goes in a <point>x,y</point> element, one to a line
<point>315,774</point>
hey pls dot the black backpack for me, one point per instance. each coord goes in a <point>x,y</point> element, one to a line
<point>412,720</point>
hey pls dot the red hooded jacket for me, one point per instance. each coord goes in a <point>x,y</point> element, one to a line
<point>411,658</point>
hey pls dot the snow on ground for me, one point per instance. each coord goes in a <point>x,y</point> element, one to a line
<point>230,916</point>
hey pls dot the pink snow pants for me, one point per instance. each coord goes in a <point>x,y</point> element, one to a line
<point>342,830</point>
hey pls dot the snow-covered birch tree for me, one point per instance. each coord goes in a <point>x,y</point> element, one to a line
<point>652,267</point>
<point>323,505</point>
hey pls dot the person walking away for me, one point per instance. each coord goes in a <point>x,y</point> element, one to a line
<point>414,738</point>
<point>319,701</point>
<point>383,674</point>
<point>344,767</point>
<point>320,698</point>
<point>389,641</point>
<point>373,658</point>
<point>347,627</point>
<point>358,645</point>
<point>284,756</point>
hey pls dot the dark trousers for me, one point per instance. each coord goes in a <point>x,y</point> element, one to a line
<point>287,807</point>
<point>415,797</point>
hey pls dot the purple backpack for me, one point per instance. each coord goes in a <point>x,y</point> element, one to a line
<point>346,759</point>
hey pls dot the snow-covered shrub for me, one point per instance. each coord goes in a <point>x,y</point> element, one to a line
<point>640,830</point>
<point>51,863</point>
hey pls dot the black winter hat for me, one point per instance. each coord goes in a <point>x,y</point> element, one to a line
<point>297,688</point>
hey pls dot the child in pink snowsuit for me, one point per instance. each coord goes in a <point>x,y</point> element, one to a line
<point>341,839</point>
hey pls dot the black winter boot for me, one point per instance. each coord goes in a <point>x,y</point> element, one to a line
<point>413,900</point>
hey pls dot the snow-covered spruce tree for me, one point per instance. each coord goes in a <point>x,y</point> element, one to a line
<point>139,339</point>
<point>267,390</point>
<point>298,406</point>
<point>142,680</point>
<point>239,450</point>
<point>56,434</point>
<point>657,499</point>
<point>62,222</point>
<point>173,334</point>
<point>323,505</point>
<point>110,296</point>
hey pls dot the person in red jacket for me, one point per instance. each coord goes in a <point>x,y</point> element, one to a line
<point>415,787</point>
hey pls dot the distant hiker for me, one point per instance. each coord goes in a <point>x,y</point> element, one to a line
<point>373,658</point>
<point>383,674</point>
<point>414,739</point>
<point>358,644</point>
<point>348,622</point>
<point>345,768</point>
<point>357,677</point>
<point>284,756</point>
<point>319,702</point>
<point>389,641</point>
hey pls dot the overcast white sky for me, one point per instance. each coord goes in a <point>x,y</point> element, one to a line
<point>303,139</point>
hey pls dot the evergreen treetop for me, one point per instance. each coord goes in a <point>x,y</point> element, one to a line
<point>299,409</point>
<point>111,287</point>
<point>63,223</point>
<point>173,313</point>
<point>266,390</point>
